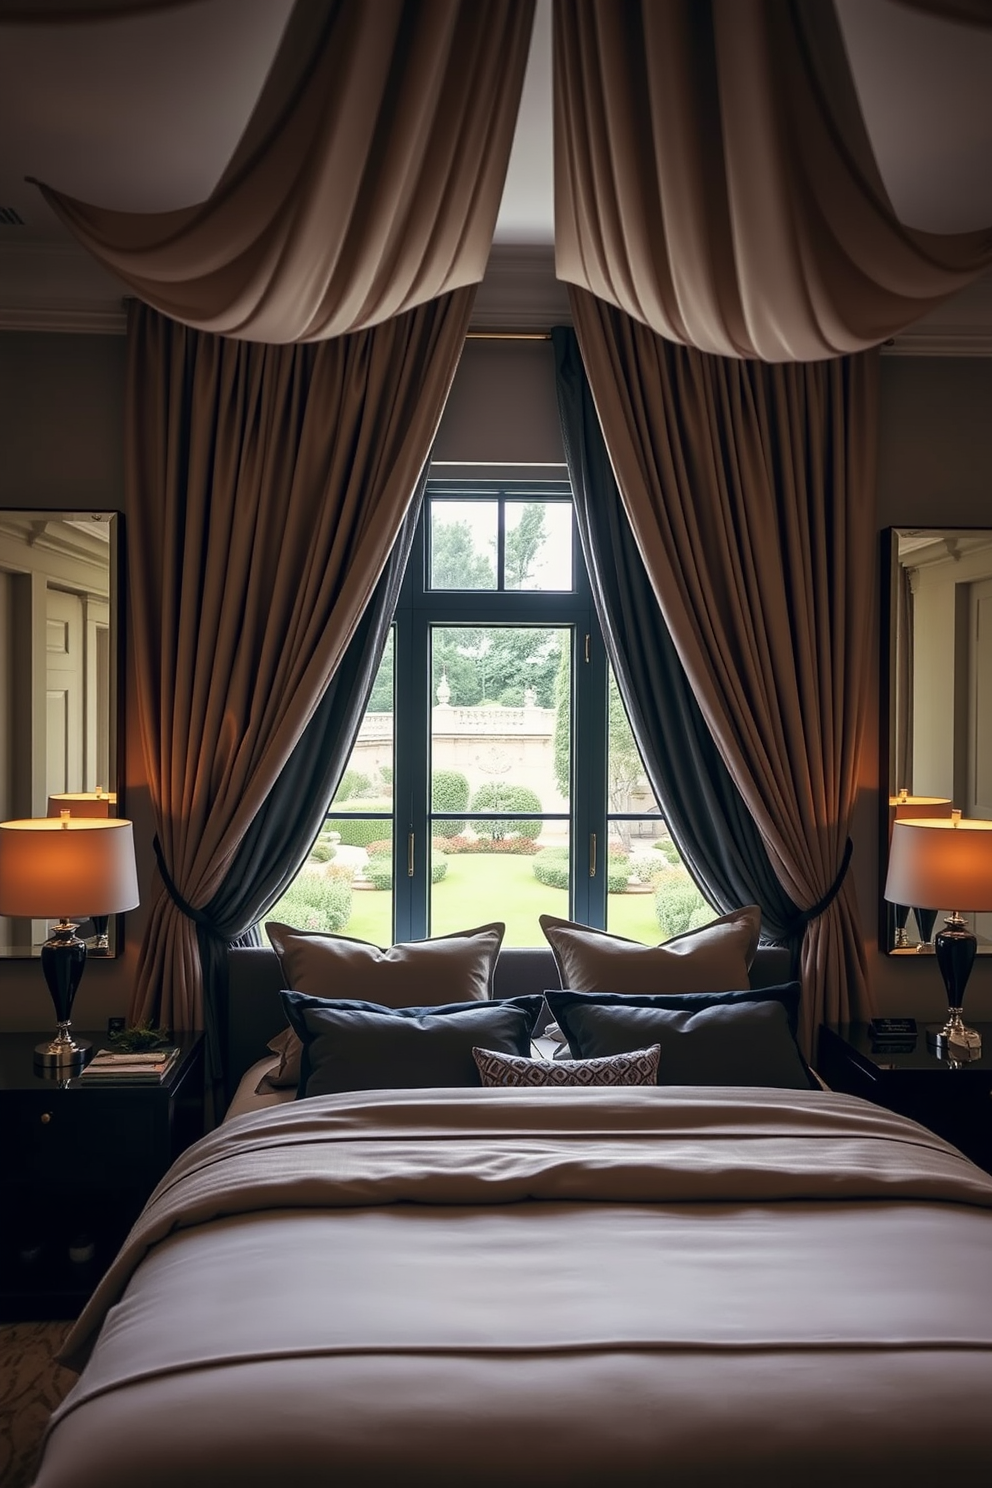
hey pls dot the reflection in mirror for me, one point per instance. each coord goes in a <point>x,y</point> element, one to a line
<point>59,678</point>
<point>939,658</point>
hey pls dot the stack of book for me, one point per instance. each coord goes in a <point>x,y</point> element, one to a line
<point>108,1066</point>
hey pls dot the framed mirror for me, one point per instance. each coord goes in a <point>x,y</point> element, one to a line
<point>60,679</point>
<point>936,718</point>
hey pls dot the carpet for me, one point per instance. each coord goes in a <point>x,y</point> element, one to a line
<point>31,1385</point>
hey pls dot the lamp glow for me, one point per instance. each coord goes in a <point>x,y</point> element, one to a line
<point>936,863</point>
<point>51,867</point>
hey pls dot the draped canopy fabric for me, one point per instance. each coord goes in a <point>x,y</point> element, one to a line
<point>749,488</point>
<point>266,488</point>
<point>368,179</point>
<point>714,179</point>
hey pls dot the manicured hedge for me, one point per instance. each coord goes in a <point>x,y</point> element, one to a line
<point>497,796</point>
<point>449,792</point>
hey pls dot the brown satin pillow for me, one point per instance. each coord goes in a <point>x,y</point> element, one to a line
<point>287,1072</point>
<point>715,958</point>
<point>450,968</point>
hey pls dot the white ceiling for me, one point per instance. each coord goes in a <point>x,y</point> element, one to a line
<point>144,113</point>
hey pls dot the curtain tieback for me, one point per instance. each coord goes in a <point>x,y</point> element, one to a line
<point>196,915</point>
<point>796,927</point>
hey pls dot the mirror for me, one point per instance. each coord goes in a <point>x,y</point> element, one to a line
<point>937,726</point>
<point>60,676</point>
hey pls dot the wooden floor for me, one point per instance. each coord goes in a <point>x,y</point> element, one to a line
<point>31,1385</point>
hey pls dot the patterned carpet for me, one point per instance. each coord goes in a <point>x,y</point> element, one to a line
<point>31,1386</point>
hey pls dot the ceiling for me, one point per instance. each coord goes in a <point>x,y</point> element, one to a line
<point>143,114</point>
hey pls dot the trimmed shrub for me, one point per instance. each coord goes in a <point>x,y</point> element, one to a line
<point>497,796</point>
<point>449,792</point>
<point>316,900</point>
<point>677,903</point>
<point>617,872</point>
<point>322,851</point>
<point>668,850</point>
<point>551,867</point>
<point>379,870</point>
<point>353,783</point>
<point>358,833</point>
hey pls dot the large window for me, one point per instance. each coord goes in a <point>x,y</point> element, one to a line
<point>495,776</point>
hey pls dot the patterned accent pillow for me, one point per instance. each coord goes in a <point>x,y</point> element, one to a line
<point>639,1067</point>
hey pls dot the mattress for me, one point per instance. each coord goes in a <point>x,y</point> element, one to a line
<point>544,1287</point>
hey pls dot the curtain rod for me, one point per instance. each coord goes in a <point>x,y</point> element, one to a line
<point>508,336</point>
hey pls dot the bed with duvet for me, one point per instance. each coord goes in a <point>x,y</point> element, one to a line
<point>543,1273</point>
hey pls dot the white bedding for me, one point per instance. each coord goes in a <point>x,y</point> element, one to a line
<point>545,1287</point>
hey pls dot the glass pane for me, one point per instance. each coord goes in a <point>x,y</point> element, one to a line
<point>651,896</point>
<point>500,743</point>
<point>346,883</point>
<point>469,887</point>
<point>538,547</point>
<point>463,544</point>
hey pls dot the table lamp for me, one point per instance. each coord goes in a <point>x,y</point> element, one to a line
<point>48,867</point>
<point>901,806</point>
<point>935,863</point>
<point>88,803</point>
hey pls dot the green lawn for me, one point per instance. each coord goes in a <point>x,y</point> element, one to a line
<point>481,887</point>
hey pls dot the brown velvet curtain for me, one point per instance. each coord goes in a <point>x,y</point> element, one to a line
<point>750,489</point>
<point>266,485</point>
<point>367,181</point>
<point>714,179</point>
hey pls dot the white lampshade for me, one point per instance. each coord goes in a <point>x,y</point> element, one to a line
<point>51,867</point>
<point>83,803</point>
<point>935,863</point>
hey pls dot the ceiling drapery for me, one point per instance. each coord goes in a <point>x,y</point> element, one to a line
<point>714,179</point>
<point>713,176</point>
<point>368,179</point>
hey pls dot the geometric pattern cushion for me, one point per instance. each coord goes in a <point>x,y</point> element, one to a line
<point>639,1067</point>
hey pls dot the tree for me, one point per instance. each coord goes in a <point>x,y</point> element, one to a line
<point>455,561</point>
<point>563,723</point>
<point>625,770</point>
<point>523,543</point>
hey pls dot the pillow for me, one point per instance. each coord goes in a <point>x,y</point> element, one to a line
<point>449,968</point>
<point>352,1045</point>
<point>639,1067</point>
<point>287,1072</point>
<point>788,994</point>
<point>715,958</point>
<point>742,1041</point>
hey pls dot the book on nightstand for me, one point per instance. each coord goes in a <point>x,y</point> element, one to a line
<point>110,1067</point>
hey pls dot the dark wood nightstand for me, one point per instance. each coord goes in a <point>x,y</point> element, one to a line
<point>76,1165</point>
<point>954,1103</point>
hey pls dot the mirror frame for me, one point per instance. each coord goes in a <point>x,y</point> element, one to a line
<point>889,785</point>
<point>32,787</point>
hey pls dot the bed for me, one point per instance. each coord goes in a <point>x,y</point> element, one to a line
<point>680,1283</point>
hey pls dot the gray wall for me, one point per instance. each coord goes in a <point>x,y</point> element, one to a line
<point>61,416</point>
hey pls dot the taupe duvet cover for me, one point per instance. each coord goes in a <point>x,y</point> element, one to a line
<point>667,1286</point>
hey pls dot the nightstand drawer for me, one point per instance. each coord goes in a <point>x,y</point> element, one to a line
<point>45,1131</point>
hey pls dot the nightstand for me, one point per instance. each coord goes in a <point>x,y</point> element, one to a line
<point>956,1103</point>
<point>77,1163</point>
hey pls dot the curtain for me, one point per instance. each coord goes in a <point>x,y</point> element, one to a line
<point>712,828</point>
<point>367,180</point>
<point>714,179</point>
<point>750,490</point>
<point>267,486</point>
<point>279,838</point>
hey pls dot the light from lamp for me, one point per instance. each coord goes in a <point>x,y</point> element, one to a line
<point>938,863</point>
<point>54,866</point>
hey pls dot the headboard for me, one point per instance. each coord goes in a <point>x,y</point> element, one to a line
<point>254,1012</point>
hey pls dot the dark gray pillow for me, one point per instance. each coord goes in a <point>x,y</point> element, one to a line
<point>726,1043</point>
<point>787,993</point>
<point>352,1045</point>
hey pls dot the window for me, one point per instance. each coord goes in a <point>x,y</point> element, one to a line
<point>495,775</point>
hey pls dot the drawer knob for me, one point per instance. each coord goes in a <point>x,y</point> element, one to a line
<point>46,1117</point>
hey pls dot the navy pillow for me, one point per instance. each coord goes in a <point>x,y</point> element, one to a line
<point>742,1038</point>
<point>352,1045</point>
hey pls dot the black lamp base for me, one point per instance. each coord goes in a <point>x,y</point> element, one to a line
<point>955,948</point>
<point>63,958</point>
